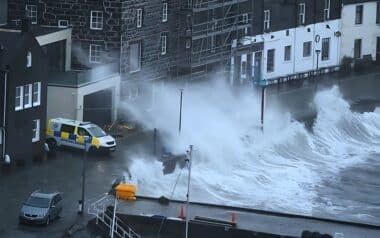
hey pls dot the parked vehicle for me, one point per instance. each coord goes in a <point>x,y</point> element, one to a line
<point>41,208</point>
<point>78,134</point>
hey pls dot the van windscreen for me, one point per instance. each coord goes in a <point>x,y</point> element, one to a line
<point>96,131</point>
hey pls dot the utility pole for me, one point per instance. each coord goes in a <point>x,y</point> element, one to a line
<point>188,161</point>
<point>180,111</point>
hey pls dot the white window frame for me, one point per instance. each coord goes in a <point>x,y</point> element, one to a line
<point>309,45</point>
<point>29,59</point>
<point>36,93</point>
<point>28,89</point>
<point>326,10</point>
<point>266,20</point>
<point>94,53</point>
<point>290,53</point>
<point>301,13</point>
<point>163,44</point>
<point>164,12</point>
<point>19,95</point>
<point>96,20</point>
<point>139,44</point>
<point>139,14</point>
<point>31,13</point>
<point>328,40</point>
<point>36,130</point>
<point>188,43</point>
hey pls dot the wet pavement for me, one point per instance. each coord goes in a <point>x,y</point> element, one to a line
<point>63,174</point>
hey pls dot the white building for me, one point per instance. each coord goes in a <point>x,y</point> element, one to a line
<point>293,51</point>
<point>361,30</point>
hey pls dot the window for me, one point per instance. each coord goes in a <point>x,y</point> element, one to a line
<point>358,48</point>
<point>96,20</point>
<point>359,14</point>
<point>19,98</point>
<point>307,49</point>
<point>244,68</point>
<point>188,43</point>
<point>270,61</point>
<point>94,56</point>
<point>301,14</point>
<point>83,132</point>
<point>67,128</point>
<point>28,96</point>
<point>29,59</point>
<point>163,44</point>
<point>139,18</point>
<point>164,12</point>
<point>36,94</point>
<point>266,20</point>
<point>63,23</point>
<point>326,10</point>
<point>31,13</point>
<point>245,22</point>
<point>325,48</point>
<point>287,53</point>
<point>134,57</point>
<point>36,130</point>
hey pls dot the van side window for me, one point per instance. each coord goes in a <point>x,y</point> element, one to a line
<point>83,132</point>
<point>67,128</point>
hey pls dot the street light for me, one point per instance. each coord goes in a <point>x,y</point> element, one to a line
<point>81,202</point>
<point>317,72</point>
<point>180,111</point>
<point>317,52</point>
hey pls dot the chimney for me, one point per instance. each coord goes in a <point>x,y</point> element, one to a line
<point>25,25</point>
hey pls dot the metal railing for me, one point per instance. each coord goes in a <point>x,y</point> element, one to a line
<point>99,209</point>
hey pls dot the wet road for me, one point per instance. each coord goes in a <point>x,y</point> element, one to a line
<point>63,173</point>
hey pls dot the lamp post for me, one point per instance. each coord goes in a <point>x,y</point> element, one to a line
<point>81,202</point>
<point>188,161</point>
<point>180,111</point>
<point>317,72</point>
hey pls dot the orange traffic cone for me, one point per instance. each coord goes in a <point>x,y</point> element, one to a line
<point>182,213</point>
<point>233,217</point>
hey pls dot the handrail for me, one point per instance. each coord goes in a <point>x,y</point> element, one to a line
<point>99,209</point>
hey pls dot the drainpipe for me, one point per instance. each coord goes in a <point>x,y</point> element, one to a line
<point>4,111</point>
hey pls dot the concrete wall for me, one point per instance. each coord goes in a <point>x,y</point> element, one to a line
<point>368,31</point>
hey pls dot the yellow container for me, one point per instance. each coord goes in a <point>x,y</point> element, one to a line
<point>126,191</point>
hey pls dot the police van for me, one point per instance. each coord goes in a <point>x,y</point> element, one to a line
<point>78,134</point>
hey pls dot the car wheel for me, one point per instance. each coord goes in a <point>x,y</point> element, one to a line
<point>92,150</point>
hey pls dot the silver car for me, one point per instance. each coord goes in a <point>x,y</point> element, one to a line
<point>41,208</point>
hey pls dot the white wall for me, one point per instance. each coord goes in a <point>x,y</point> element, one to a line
<point>297,36</point>
<point>368,31</point>
<point>68,102</point>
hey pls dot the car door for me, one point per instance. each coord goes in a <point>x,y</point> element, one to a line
<point>53,208</point>
<point>67,132</point>
<point>82,137</point>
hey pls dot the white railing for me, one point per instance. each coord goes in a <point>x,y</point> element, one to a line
<point>99,208</point>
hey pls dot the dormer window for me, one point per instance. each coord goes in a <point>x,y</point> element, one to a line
<point>29,59</point>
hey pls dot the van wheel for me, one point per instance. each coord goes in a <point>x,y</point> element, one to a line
<point>92,150</point>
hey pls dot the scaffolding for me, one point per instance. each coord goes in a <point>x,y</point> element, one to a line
<point>208,29</point>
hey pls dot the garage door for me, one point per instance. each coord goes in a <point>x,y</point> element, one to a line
<point>98,107</point>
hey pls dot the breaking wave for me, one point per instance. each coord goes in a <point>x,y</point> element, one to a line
<point>282,168</point>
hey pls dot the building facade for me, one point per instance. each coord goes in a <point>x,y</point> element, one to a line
<point>361,29</point>
<point>298,37</point>
<point>24,90</point>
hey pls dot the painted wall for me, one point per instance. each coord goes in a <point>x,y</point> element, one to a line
<point>296,37</point>
<point>368,31</point>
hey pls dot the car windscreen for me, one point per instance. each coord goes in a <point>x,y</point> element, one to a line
<point>38,202</point>
<point>96,131</point>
